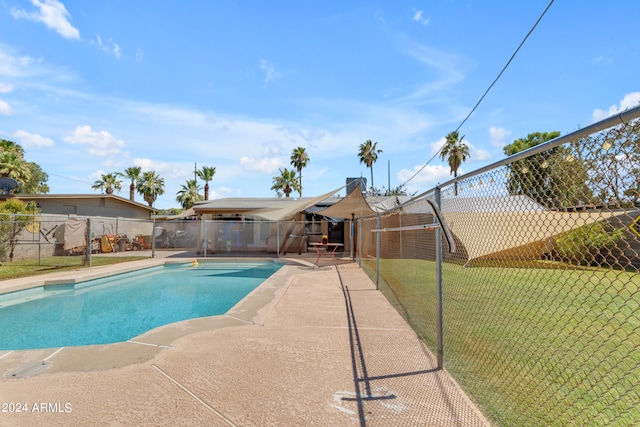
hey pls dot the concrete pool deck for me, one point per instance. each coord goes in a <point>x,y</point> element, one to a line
<point>311,346</point>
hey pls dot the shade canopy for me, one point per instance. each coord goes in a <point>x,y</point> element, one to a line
<point>354,204</point>
<point>291,209</point>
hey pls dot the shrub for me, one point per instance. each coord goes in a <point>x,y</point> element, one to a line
<point>13,219</point>
<point>585,244</point>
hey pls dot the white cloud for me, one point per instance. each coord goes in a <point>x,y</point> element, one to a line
<point>30,140</point>
<point>5,88</point>
<point>436,146</point>
<point>139,55</point>
<point>478,154</point>
<point>109,47</point>
<point>630,100</point>
<point>498,136</point>
<point>51,13</point>
<point>446,66</point>
<point>263,165</point>
<point>163,169</point>
<point>13,66</point>
<point>100,143</point>
<point>269,71</point>
<point>5,108</point>
<point>602,60</point>
<point>428,177</point>
<point>419,18</point>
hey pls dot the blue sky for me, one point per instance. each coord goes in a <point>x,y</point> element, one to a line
<point>95,87</point>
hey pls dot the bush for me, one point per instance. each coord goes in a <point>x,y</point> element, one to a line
<point>585,244</point>
<point>13,219</point>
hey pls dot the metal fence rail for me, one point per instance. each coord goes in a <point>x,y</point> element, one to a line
<point>541,298</point>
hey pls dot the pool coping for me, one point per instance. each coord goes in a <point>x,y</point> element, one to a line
<point>250,310</point>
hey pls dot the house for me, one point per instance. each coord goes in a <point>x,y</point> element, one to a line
<point>104,205</point>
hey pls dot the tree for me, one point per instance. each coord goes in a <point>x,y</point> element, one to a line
<point>555,178</point>
<point>12,165</point>
<point>455,152</point>
<point>286,181</point>
<point>133,173</point>
<point>12,162</point>
<point>150,186</point>
<point>188,194</point>
<point>108,182</point>
<point>37,183</point>
<point>299,160</point>
<point>613,161</point>
<point>30,177</point>
<point>368,155</point>
<point>206,174</point>
<point>14,216</point>
<point>6,145</point>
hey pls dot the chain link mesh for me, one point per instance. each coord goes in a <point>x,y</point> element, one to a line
<point>542,296</point>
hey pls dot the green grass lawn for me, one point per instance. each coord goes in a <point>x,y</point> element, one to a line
<point>531,346</point>
<point>25,268</point>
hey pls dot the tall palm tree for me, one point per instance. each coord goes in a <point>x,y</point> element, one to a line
<point>150,186</point>
<point>287,182</point>
<point>133,173</point>
<point>206,174</point>
<point>368,155</point>
<point>299,160</point>
<point>108,182</point>
<point>455,152</point>
<point>188,194</point>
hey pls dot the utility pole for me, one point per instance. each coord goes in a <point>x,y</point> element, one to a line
<point>389,176</point>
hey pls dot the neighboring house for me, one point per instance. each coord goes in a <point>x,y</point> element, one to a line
<point>104,205</point>
<point>109,214</point>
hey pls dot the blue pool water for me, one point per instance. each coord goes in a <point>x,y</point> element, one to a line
<point>118,308</point>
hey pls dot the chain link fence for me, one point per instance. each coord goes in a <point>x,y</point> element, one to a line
<point>541,298</point>
<point>62,240</point>
<point>49,238</point>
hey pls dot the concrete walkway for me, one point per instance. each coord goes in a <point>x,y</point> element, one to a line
<point>310,347</point>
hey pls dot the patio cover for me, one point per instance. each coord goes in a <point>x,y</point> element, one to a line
<point>353,204</point>
<point>291,209</point>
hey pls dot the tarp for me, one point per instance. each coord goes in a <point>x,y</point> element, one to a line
<point>503,227</point>
<point>75,233</point>
<point>353,204</point>
<point>291,209</point>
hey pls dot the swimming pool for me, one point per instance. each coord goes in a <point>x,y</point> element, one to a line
<point>118,308</point>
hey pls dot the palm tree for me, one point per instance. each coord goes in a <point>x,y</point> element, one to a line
<point>299,160</point>
<point>287,182</point>
<point>150,186</point>
<point>13,165</point>
<point>108,182</point>
<point>368,155</point>
<point>6,145</point>
<point>188,195</point>
<point>455,152</point>
<point>12,162</point>
<point>133,173</point>
<point>206,174</point>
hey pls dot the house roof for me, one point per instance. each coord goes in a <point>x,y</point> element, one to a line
<point>35,197</point>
